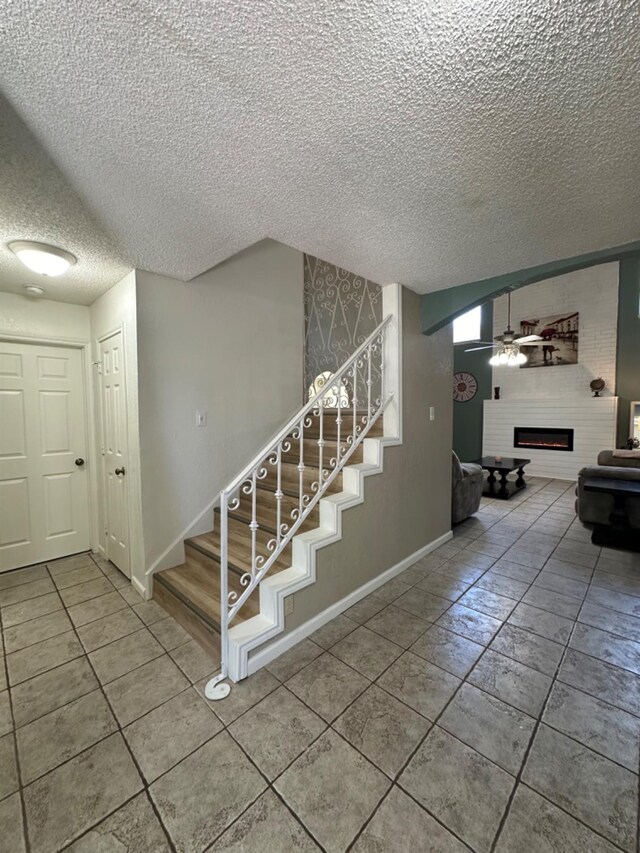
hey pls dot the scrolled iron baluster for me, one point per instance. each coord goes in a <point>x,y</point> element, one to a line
<point>301,466</point>
<point>253,524</point>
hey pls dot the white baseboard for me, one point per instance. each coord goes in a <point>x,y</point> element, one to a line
<point>140,589</point>
<point>265,655</point>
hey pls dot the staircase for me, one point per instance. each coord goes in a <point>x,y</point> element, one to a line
<point>229,591</point>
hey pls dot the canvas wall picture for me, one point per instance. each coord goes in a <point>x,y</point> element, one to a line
<point>560,334</point>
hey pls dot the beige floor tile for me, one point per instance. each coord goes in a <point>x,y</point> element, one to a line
<point>96,608</point>
<point>134,828</point>
<point>58,736</point>
<point>243,696</point>
<point>109,628</point>
<point>164,736</point>
<point>276,731</point>
<point>140,691</point>
<point>419,684</point>
<point>36,630</point>
<point>267,826</point>
<point>123,655</point>
<point>458,786</point>
<point>382,728</point>
<point>40,657</point>
<point>327,686</point>
<point>50,690</point>
<point>323,775</point>
<point>401,825</point>
<point>75,796</point>
<point>15,614</point>
<point>9,775</point>
<point>169,633</point>
<point>11,825</point>
<point>196,804</point>
<point>194,661</point>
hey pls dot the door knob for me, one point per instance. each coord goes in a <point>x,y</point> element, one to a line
<point>79,461</point>
<point>120,471</point>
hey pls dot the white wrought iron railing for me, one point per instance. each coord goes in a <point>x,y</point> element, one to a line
<point>358,388</point>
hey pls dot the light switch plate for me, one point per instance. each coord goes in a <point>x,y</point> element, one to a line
<point>201,419</point>
<point>432,413</point>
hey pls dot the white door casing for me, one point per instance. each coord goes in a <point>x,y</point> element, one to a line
<point>115,456</point>
<point>44,494</point>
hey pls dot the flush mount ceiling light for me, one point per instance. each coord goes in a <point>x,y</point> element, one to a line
<point>43,259</point>
<point>34,290</point>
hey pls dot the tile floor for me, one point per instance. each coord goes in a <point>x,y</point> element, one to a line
<point>486,699</point>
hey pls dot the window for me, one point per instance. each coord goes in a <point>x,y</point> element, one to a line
<point>331,401</point>
<point>466,327</point>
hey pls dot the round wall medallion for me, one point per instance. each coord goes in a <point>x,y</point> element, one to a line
<point>464,387</point>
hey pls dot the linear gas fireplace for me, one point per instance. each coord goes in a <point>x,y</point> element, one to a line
<point>543,438</point>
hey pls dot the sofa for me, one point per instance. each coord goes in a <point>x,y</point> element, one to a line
<point>594,507</point>
<point>467,482</point>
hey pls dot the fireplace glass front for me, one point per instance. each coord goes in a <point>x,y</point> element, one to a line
<point>543,438</point>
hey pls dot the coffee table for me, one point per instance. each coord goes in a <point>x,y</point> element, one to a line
<point>503,467</point>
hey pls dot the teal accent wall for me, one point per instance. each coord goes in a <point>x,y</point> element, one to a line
<point>628,354</point>
<point>441,307</point>
<point>467,417</point>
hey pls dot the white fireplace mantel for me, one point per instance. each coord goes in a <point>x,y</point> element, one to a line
<point>593,420</point>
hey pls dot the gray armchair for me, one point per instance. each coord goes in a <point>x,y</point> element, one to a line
<point>466,489</point>
<point>594,507</point>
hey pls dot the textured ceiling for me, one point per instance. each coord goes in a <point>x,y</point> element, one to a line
<point>37,203</point>
<point>426,141</point>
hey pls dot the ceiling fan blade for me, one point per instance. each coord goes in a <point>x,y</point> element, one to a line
<point>475,349</point>
<point>530,343</point>
<point>528,339</point>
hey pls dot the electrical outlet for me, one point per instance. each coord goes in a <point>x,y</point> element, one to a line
<point>288,605</point>
<point>432,413</point>
<point>201,419</point>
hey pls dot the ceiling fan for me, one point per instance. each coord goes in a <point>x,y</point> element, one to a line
<point>507,345</point>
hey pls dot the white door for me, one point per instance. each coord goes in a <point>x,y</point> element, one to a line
<point>44,495</point>
<point>114,451</point>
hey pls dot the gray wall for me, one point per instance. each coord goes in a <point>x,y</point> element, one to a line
<point>409,505</point>
<point>340,311</point>
<point>467,417</point>
<point>229,342</point>
<point>628,353</point>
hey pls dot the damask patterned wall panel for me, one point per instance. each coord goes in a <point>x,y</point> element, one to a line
<point>340,311</point>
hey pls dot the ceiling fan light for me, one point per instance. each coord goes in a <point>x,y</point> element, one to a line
<point>522,359</point>
<point>493,361</point>
<point>503,358</point>
<point>42,259</point>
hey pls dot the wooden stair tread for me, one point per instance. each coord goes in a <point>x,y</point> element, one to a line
<point>267,513</point>
<point>192,583</point>
<point>239,553</point>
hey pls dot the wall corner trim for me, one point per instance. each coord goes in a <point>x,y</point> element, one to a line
<point>269,653</point>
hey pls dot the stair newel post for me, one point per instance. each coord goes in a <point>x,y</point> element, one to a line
<point>216,688</point>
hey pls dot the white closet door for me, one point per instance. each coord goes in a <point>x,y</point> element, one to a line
<point>115,451</point>
<point>44,495</point>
